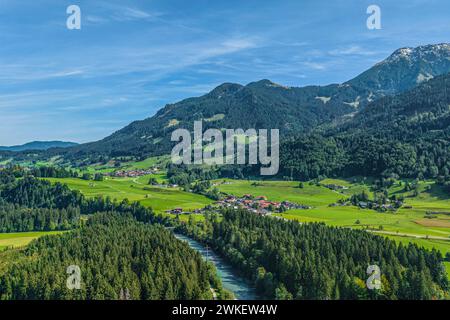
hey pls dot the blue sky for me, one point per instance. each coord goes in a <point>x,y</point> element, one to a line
<point>130,58</point>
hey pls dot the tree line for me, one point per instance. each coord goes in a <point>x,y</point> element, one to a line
<point>14,218</point>
<point>31,204</point>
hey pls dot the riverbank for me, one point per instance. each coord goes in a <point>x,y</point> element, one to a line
<point>232,282</point>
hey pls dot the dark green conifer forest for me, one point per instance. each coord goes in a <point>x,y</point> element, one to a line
<point>288,260</point>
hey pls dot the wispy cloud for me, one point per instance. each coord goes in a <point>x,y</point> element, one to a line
<point>120,12</point>
<point>129,14</point>
<point>315,65</point>
<point>93,20</point>
<point>20,72</point>
<point>113,61</point>
<point>352,50</point>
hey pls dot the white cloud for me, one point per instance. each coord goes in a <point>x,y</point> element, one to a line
<point>35,71</point>
<point>127,13</point>
<point>91,19</point>
<point>134,13</point>
<point>315,65</point>
<point>352,50</point>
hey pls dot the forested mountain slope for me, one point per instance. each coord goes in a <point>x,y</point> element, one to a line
<point>407,134</point>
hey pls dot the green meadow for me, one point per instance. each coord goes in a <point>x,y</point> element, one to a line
<point>280,190</point>
<point>20,239</point>
<point>137,189</point>
<point>406,225</point>
<point>128,165</point>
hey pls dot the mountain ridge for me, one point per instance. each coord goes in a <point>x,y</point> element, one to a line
<point>265,104</point>
<point>405,68</point>
<point>39,145</point>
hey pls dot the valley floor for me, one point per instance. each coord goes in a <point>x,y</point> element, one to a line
<point>408,224</point>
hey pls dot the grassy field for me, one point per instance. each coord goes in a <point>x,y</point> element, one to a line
<point>405,225</point>
<point>280,190</point>
<point>21,239</point>
<point>403,222</point>
<point>128,165</point>
<point>137,189</point>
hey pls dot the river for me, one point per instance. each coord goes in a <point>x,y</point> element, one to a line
<point>241,289</point>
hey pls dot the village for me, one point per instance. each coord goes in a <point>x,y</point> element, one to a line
<point>131,173</point>
<point>255,204</point>
<point>390,205</point>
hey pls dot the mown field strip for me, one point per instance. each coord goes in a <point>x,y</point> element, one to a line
<point>20,239</point>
